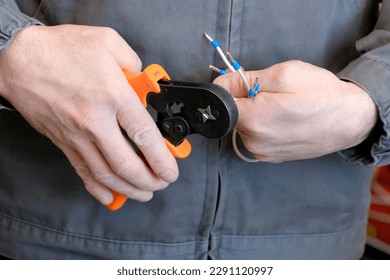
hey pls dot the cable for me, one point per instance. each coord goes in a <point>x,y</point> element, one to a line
<point>234,66</point>
<point>219,71</point>
<point>238,152</point>
<point>237,67</point>
<point>217,46</point>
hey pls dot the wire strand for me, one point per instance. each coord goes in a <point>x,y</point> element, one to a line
<point>238,152</point>
<point>234,66</point>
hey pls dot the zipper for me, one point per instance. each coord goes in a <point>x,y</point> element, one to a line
<point>223,34</point>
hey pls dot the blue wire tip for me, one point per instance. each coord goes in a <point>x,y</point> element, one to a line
<point>208,37</point>
<point>219,71</point>
<point>223,72</point>
<point>234,62</point>
<point>251,93</point>
<point>213,42</point>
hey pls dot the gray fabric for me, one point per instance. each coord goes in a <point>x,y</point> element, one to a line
<point>220,207</point>
<point>372,72</point>
<point>12,21</point>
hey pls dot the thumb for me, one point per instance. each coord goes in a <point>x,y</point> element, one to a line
<point>233,83</point>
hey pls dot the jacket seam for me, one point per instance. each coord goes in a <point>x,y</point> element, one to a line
<point>287,235</point>
<point>382,63</point>
<point>94,238</point>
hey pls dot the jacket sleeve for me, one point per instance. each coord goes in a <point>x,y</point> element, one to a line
<point>371,71</point>
<point>12,21</point>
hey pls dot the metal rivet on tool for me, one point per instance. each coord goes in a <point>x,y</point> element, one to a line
<point>167,127</point>
<point>179,128</point>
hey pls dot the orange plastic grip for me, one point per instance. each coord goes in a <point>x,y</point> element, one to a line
<point>146,81</point>
<point>143,83</point>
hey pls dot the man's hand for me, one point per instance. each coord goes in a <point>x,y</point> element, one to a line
<point>302,111</point>
<point>67,82</point>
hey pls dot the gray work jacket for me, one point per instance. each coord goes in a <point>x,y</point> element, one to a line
<point>221,207</point>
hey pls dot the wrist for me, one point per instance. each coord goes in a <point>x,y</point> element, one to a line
<point>15,54</point>
<point>363,113</point>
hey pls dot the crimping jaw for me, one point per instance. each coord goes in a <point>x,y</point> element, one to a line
<point>186,108</point>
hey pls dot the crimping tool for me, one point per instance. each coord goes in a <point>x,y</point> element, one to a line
<point>183,108</point>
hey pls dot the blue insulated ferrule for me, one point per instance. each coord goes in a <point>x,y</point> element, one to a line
<point>215,44</point>
<point>236,65</point>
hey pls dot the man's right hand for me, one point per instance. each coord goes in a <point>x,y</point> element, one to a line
<point>67,82</point>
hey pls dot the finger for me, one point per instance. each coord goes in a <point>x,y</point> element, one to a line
<point>273,79</point>
<point>123,160</point>
<point>258,110</point>
<point>140,182</point>
<point>102,191</point>
<point>100,172</point>
<point>233,84</point>
<point>140,127</point>
<point>136,121</point>
<point>247,109</point>
<point>124,55</point>
<point>97,176</point>
<point>98,191</point>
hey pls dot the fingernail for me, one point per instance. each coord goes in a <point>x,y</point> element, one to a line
<point>106,198</point>
<point>146,197</point>
<point>169,176</point>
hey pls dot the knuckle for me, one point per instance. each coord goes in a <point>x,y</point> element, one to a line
<point>127,169</point>
<point>121,166</point>
<point>108,33</point>
<point>103,177</point>
<point>86,124</point>
<point>106,37</point>
<point>285,70</point>
<point>90,124</point>
<point>145,136</point>
<point>78,118</point>
<point>91,129</point>
<point>83,172</point>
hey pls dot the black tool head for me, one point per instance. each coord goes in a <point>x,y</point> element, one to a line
<point>207,108</point>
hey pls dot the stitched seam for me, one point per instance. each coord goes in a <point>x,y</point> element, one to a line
<point>381,62</point>
<point>93,238</point>
<point>286,235</point>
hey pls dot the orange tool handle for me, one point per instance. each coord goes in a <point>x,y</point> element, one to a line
<point>143,83</point>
